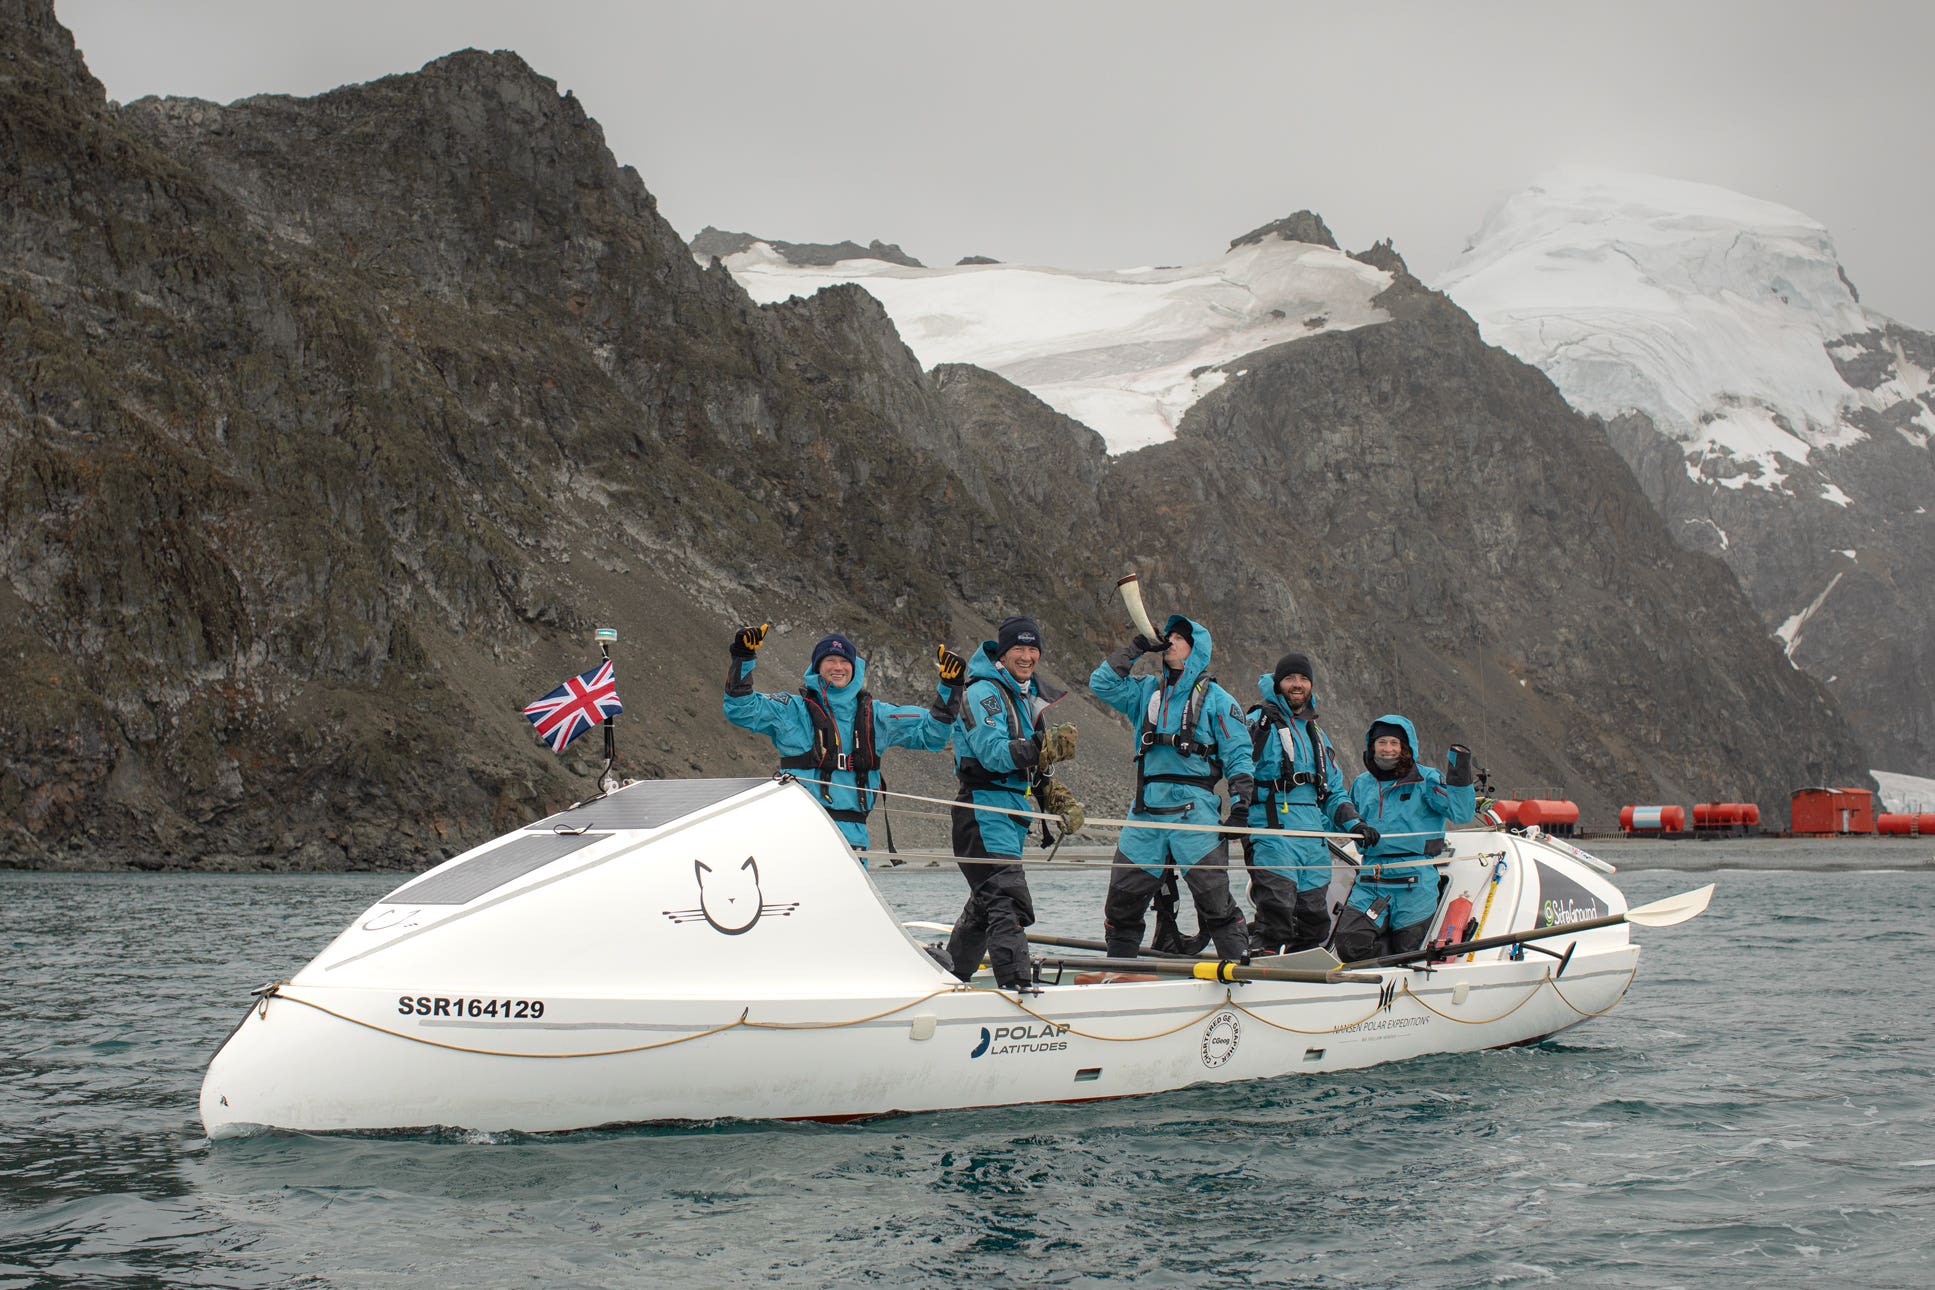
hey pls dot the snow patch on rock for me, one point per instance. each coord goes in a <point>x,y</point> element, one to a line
<point>1718,316</point>
<point>1127,352</point>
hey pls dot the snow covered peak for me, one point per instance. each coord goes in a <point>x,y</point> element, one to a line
<point>1717,315</point>
<point>1126,351</point>
<point>1579,193</point>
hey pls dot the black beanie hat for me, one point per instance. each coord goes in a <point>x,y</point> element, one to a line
<point>1018,630</point>
<point>1292,662</point>
<point>833,645</point>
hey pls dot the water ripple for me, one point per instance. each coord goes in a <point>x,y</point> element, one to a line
<point>1712,1131</point>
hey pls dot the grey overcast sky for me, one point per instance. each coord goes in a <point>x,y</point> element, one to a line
<point>1087,134</point>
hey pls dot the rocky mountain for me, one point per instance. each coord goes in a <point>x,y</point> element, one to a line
<point>330,428</point>
<point>1774,421</point>
<point>1126,352</point>
<point>716,242</point>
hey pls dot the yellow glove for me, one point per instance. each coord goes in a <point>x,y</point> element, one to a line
<point>1056,799</point>
<point>1057,744</point>
<point>952,667</point>
<point>747,640</point>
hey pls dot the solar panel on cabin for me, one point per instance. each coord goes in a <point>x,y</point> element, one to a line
<point>647,804</point>
<point>472,878</point>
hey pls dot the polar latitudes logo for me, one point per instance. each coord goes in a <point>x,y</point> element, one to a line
<point>1007,1041</point>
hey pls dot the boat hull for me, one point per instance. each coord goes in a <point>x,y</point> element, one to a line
<point>304,1059</point>
<point>697,950</point>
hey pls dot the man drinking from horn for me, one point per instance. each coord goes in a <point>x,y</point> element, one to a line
<point>1191,735</point>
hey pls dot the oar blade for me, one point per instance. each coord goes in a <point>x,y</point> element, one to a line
<point>1672,910</point>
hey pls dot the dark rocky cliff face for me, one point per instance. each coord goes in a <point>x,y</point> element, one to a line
<point>1456,544</point>
<point>329,428</point>
<point>1847,546</point>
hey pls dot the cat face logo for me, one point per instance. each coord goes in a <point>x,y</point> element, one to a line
<point>730,899</point>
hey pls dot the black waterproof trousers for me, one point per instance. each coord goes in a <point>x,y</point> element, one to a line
<point>1132,888</point>
<point>1358,938</point>
<point>1287,920</point>
<point>999,909</point>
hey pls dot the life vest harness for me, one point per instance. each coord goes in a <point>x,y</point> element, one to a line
<point>1269,722</point>
<point>829,754</point>
<point>1183,741</point>
<point>973,775</point>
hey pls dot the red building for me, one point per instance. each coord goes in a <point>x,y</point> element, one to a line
<point>1833,810</point>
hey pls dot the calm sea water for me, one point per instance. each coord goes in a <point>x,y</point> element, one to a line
<point>1758,1112</point>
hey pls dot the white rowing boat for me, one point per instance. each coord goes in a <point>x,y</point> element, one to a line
<point>698,949</point>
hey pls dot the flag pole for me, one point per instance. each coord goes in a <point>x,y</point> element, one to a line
<point>606,638</point>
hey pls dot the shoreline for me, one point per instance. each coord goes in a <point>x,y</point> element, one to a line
<point>1686,855</point>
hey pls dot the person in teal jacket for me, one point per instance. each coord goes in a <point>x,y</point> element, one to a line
<point>1191,734</point>
<point>833,732</point>
<point>1002,751</point>
<point>1298,786</point>
<point>1390,909</point>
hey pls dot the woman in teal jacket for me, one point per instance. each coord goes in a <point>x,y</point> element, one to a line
<point>825,735</point>
<point>1390,909</point>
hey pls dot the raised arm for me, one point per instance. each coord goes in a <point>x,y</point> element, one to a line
<point>1454,797</point>
<point>1111,683</point>
<point>780,717</point>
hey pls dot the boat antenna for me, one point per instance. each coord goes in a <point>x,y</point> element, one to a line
<point>607,782</point>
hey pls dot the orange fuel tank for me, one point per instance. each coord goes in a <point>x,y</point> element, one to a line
<point>1547,814</point>
<point>1652,819</point>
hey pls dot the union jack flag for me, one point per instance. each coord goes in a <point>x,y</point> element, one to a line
<point>576,706</point>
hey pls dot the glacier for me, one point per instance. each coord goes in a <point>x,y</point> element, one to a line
<point>1722,318</point>
<point>1126,352</point>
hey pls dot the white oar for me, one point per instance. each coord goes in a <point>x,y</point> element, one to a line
<point>1672,910</point>
<point>1661,913</point>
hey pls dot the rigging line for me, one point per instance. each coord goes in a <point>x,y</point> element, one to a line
<point>1119,1039</point>
<point>1298,1030</point>
<point>1122,824</point>
<point>1065,864</point>
<point>1631,976</point>
<point>1530,995</point>
<point>743,1020</point>
<point>490,1052</point>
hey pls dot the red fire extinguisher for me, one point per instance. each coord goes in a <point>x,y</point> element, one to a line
<point>1452,930</point>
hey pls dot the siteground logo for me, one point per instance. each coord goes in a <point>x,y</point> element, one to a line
<point>1563,901</point>
<point>1009,1041</point>
<point>1560,913</point>
<point>1220,1038</point>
